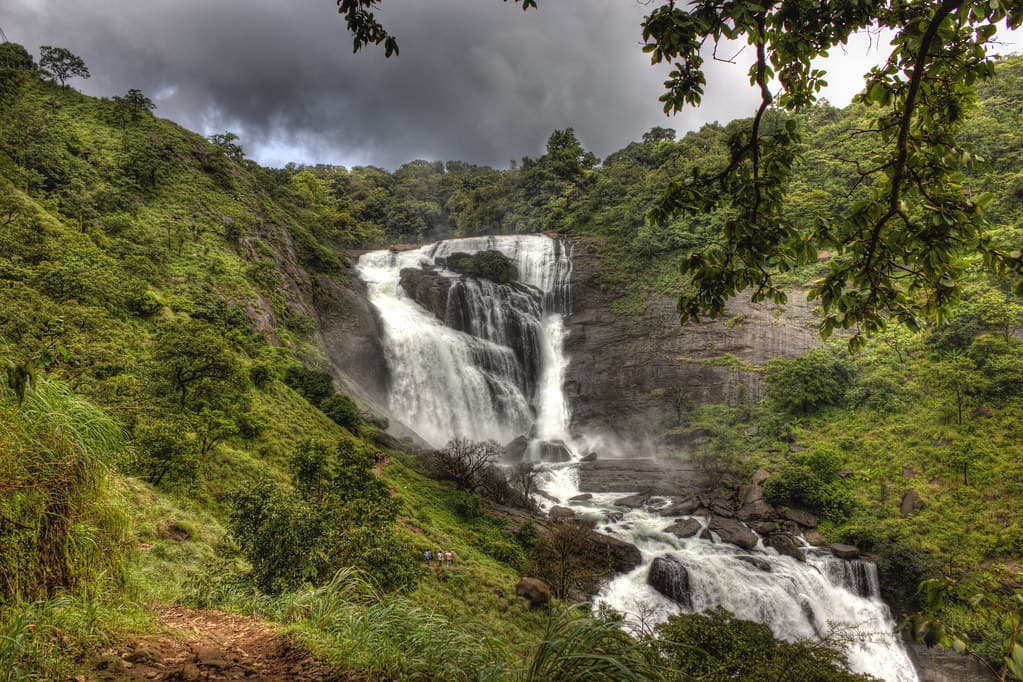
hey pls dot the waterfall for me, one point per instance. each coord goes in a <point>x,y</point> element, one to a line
<point>475,359</point>
<point>470,358</point>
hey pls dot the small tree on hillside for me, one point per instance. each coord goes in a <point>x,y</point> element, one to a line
<point>62,64</point>
<point>464,462</point>
<point>132,106</point>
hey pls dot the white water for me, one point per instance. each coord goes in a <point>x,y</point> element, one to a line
<point>448,383</point>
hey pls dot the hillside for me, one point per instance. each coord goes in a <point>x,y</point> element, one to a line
<point>173,433</point>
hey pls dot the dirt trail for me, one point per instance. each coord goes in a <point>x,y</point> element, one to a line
<point>209,645</point>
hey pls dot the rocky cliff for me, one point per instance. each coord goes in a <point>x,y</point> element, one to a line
<point>631,378</point>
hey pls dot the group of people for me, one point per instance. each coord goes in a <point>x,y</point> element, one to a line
<point>441,556</point>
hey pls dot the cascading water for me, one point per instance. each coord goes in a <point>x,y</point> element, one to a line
<point>474,359</point>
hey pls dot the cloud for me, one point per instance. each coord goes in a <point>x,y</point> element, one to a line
<point>476,80</point>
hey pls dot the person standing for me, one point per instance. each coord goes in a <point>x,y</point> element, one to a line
<point>440,558</point>
<point>447,558</point>
<point>428,556</point>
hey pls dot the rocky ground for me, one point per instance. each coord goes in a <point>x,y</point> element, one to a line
<point>209,645</point>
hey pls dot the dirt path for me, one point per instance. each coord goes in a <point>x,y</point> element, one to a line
<point>209,645</point>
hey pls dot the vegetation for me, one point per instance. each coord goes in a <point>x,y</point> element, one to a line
<point>170,435</point>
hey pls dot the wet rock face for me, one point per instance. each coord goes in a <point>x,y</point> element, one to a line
<point>670,577</point>
<point>349,334</point>
<point>733,532</point>
<point>631,375</point>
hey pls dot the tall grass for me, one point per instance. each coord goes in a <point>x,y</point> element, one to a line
<point>577,647</point>
<point>61,521</point>
<point>389,637</point>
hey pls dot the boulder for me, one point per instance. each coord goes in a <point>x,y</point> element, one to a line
<point>680,506</point>
<point>755,561</point>
<point>755,511</point>
<point>533,590</point>
<point>752,430</point>
<point>670,577</point>
<point>553,451</point>
<point>766,527</point>
<point>804,519</point>
<point>844,551</point>
<point>633,501</point>
<point>815,538</point>
<point>581,498</point>
<point>621,556</point>
<point>785,544</point>
<point>589,457</point>
<point>733,532</point>
<point>911,503</point>
<point>558,513</point>
<point>515,450</point>
<point>684,528</point>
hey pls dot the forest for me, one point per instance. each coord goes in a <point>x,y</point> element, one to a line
<point>170,433</point>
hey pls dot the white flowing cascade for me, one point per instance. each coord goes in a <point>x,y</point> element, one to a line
<point>447,383</point>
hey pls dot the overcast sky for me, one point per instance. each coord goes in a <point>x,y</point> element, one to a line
<point>476,80</point>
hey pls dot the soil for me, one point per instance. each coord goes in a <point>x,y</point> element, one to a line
<point>209,645</point>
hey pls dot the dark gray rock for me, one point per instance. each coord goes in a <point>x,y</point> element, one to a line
<point>533,590</point>
<point>589,457</point>
<point>670,577</point>
<point>756,510</point>
<point>558,513</point>
<point>844,551</point>
<point>633,501</point>
<point>684,528</point>
<point>515,450</point>
<point>911,503</point>
<point>733,532</point>
<point>804,519</point>
<point>617,555</point>
<point>786,545</point>
<point>755,561</point>
<point>581,498</point>
<point>766,527</point>
<point>553,451</point>
<point>680,506</point>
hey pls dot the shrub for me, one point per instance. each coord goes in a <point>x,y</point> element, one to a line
<point>312,384</point>
<point>729,648</point>
<point>805,383</point>
<point>811,482</point>
<point>343,411</point>
<point>465,462</point>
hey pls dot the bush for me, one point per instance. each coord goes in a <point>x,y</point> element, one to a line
<point>343,411</point>
<point>312,384</point>
<point>729,648</point>
<point>808,382</point>
<point>811,482</point>
<point>465,462</point>
<point>339,514</point>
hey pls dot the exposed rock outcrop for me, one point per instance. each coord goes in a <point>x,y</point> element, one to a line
<point>631,375</point>
<point>670,577</point>
<point>655,476</point>
<point>684,528</point>
<point>733,532</point>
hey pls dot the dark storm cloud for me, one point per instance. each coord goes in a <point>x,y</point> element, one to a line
<point>476,80</point>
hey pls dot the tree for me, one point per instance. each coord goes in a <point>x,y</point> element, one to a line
<point>464,461</point>
<point>132,105</point>
<point>901,250</point>
<point>227,143</point>
<point>192,359</point>
<point>62,64</point>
